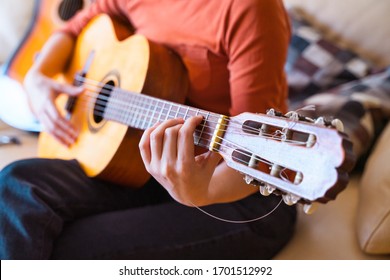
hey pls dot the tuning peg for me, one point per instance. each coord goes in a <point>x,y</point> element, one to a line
<point>310,208</point>
<point>320,121</point>
<point>248,179</point>
<point>266,189</point>
<point>271,112</point>
<point>290,199</point>
<point>338,125</point>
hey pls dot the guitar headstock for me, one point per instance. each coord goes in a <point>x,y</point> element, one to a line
<point>304,160</point>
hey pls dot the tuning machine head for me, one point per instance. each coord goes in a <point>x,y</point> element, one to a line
<point>310,208</point>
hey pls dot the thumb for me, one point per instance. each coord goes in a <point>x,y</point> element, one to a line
<point>209,159</point>
<point>66,88</point>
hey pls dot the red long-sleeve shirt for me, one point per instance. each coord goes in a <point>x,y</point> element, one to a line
<point>234,50</point>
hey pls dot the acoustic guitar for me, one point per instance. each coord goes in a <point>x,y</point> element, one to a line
<point>133,83</point>
<point>47,16</point>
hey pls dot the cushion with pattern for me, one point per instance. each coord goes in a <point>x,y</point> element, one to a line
<point>315,64</point>
<point>362,105</point>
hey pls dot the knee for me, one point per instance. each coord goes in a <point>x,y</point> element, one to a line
<point>13,170</point>
<point>13,174</point>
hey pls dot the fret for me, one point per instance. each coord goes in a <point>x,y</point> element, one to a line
<point>154,112</point>
<point>147,112</point>
<point>162,109</point>
<point>128,114</point>
<point>135,112</point>
<point>169,112</point>
<point>144,113</point>
<point>177,112</point>
<point>142,116</point>
<point>183,112</point>
<point>204,122</point>
<point>186,114</point>
<point>111,111</point>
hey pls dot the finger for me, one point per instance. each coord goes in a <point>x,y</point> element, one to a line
<point>169,152</point>
<point>65,88</point>
<point>60,122</point>
<point>209,159</point>
<point>186,139</point>
<point>157,137</point>
<point>144,145</point>
<point>50,128</point>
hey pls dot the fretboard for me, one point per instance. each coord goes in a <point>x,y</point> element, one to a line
<point>142,111</point>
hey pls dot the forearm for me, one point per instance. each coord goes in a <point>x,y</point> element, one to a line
<point>54,55</point>
<point>226,185</point>
<point>42,90</point>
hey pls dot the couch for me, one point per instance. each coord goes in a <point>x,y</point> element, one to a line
<point>355,225</point>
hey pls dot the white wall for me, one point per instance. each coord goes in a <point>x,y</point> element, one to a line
<point>15,16</point>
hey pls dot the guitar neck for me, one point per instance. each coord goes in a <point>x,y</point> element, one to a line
<point>142,111</point>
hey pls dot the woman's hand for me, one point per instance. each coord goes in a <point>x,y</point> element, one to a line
<point>42,92</point>
<point>167,150</point>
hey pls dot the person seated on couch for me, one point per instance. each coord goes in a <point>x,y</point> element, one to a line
<point>235,53</point>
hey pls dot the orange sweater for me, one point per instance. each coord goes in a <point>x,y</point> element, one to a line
<point>234,50</point>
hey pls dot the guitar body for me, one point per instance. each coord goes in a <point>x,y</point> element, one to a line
<point>48,15</point>
<point>105,149</point>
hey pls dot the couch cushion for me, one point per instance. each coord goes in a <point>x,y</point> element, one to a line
<point>315,64</point>
<point>362,25</point>
<point>363,106</point>
<point>373,225</point>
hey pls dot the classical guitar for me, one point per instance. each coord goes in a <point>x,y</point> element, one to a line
<point>305,160</point>
<point>47,16</point>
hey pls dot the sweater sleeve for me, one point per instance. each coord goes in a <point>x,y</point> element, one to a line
<point>257,38</point>
<point>113,8</point>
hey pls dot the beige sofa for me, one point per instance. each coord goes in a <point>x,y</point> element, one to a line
<point>332,232</point>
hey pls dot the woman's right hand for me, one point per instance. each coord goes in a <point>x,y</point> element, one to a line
<point>42,92</point>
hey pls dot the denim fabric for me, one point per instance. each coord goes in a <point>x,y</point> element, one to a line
<point>50,209</point>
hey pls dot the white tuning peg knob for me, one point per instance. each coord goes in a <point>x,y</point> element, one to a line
<point>290,199</point>
<point>248,179</point>
<point>338,125</point>
<point>320,121</point>
<point>310,208</point>
<point>266,189</point>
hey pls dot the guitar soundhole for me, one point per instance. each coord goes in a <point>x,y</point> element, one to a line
<point>101,102</point>
<point>68,8</point>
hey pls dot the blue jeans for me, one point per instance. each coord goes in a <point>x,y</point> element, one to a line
<point>51,209</point>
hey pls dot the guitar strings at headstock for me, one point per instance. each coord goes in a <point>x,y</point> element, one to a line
<point>286,134</point>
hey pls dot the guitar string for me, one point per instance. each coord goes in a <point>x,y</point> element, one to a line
<point>106,88</point>
<point>249,128</point>
<point>239,221</point>
<point>70,6</point>
<point>132,106</point>
<point>264,136</point>
<point>100,111</point>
